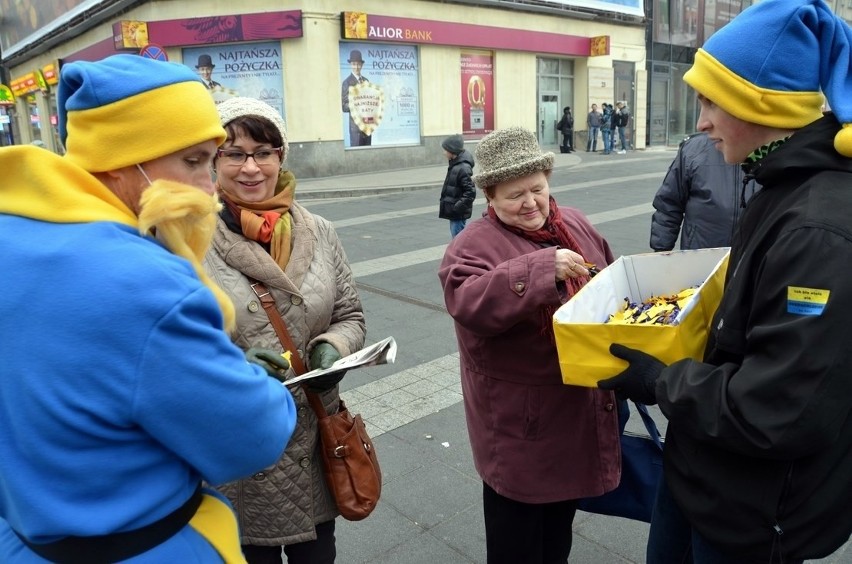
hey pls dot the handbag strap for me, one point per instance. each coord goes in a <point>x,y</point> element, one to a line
<point>268,303</point>
<point>650,425</point>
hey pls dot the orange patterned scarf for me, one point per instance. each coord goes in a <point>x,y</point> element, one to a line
<point>268,222</point>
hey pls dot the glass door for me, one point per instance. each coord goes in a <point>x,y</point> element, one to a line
<point>548,115</point>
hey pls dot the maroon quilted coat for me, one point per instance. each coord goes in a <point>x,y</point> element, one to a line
<point>534,439</point>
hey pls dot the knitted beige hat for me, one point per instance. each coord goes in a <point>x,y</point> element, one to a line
<point>241,106</point>
<point>507,154</point>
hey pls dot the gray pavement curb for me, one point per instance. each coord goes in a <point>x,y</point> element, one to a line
<point>323,194</point>
<point>306,193</point>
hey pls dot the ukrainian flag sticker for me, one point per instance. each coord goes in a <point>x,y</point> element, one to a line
<point>806,301</point>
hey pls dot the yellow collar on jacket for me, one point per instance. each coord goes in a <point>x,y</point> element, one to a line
<point>41,185</point>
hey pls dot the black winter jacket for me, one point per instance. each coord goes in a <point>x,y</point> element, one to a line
<point>565,125</point>
<point>459,191</point>
<point>702,192</point>
<point>759,446</point>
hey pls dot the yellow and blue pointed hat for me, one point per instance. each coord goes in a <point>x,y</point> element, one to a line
<point>127,109</point>
<point>772,64</point>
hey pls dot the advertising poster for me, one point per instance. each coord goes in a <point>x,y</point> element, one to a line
<point>254,70</point>
<point>130,35</point>
<point>477,95</point>
<point>379,94</point>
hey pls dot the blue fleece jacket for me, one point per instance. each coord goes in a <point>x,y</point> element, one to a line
<point>119,390</point>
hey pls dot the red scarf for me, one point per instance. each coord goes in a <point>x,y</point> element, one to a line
<point>553,232</point>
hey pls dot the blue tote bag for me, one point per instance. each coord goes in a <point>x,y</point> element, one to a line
<point>641,471</point>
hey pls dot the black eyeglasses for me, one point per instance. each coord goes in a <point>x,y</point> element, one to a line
<point>262,157</point>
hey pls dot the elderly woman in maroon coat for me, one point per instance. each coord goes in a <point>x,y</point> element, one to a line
<point>538,444</point>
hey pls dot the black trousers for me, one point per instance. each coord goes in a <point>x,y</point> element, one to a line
<point>527,533</point>
<point>567,142</point>
<point>319,551</point>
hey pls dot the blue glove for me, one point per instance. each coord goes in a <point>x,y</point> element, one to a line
<point>638,381</point>
<point>324,355</point>
<point>271,361</point>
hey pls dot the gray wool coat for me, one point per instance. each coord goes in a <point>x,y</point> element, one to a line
<point>317,299</point>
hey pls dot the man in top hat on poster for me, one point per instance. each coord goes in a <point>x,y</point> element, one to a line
<point>205,68</point>
<point>357,138</point>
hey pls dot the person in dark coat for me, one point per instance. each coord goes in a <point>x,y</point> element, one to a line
<point>704,194</point>
<point>606,127</point>
<point>759,444</point>
<point>620,119</point>
<point>538,445</point>
<point>565,126</point>
<point>458,192</point>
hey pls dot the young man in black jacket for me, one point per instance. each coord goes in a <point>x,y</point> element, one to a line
<point>759,444</point>
<point>459,191</point>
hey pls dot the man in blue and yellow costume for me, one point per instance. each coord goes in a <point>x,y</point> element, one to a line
<point>120,391</point>
<point>759,443</point>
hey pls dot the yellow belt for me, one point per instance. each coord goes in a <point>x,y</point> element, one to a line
<point>215,521</point>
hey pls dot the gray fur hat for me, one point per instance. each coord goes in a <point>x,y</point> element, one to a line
<point>506,154</point>
<point>232,108</point>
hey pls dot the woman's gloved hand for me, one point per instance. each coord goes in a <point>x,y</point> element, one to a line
<point>270,360</point>
<point>638,381</point>
<point>324,355</point>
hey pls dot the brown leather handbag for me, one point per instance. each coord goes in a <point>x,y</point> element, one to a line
<point>349,458</point>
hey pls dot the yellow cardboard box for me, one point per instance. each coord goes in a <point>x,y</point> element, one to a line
<point>583,339</point>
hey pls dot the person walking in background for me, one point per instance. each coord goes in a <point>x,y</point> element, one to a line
<point>105,441</point>
<point>593,124</point>
<point>357,138</point>
<point>701,198</point>
<point>458,192</point>
<point>538,445</point>
<point>264,235</point>
<point>565,126</point>
<point>759,442</point>
<point>620,119</point>
<point>606,127</point>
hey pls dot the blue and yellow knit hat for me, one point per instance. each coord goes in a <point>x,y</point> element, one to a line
<point>769,64</point>
<point>127,109</point>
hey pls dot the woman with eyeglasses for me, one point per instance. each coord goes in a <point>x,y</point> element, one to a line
<point>264,235</point>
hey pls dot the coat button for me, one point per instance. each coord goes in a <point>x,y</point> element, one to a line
<point>305,462</point>
<point>253,307</point>
<point>519,287</point>
<point>609,407</point>
<point>295,300</point>
<point>302,411</point>
<point>259,476</point>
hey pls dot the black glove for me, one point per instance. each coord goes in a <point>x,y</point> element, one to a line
<point>638,382</point>
<point>271,361</point>
<point>324,355</point>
